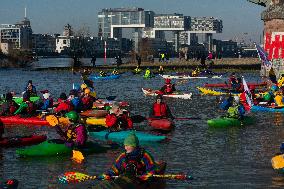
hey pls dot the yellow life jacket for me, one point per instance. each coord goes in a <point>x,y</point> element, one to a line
<point>279,100</point>
<point>280,81</point>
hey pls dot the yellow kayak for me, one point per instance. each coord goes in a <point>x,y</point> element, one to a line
<point>206,91</point>
<point>96,121</point>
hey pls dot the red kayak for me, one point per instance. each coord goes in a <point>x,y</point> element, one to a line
<point>161,124</point>
<point>22,141</point>
<point>224,85</point>
<point>94,113</point>
<point>17,120</point>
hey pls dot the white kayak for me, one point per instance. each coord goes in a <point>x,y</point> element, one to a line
<point>150,92</point>
<point>187,77</point>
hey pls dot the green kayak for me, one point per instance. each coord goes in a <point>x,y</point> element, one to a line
<point>58,148</point>
<point>19,100</point>
<point>228,122</point>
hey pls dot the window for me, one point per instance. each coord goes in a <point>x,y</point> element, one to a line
<point>64,42</point>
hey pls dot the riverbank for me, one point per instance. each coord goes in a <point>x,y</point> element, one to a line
<point>220,64</point>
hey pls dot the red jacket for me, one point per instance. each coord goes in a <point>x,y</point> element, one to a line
<point>161,110</point>
<point>63,106</point>
<point>123,121</point>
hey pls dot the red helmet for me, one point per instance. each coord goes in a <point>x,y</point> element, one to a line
<point>168,81</point>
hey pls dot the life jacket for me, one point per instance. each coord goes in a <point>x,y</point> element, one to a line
<point>76,102</point>
<point>147,73</point>
<point>233,112</point>
<point>133,165</point>
<point>87,102</point>
<point>168,88</point>
<point>77,134</point>
<point>278,100</point>
<point>280,82</point>
<point>160,110</point>
<point>121,122</point>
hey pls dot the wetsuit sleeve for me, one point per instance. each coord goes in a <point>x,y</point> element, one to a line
<point>150,166</point>
<point>116,168</point>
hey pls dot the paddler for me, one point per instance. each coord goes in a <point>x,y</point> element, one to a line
<point>74,100</point>
<point>102,74</point>
<point>161,70</point>
<point>87,100</point>
<point>47,100</point>
<point>27,108</point>
<point>64,105</point>
<point>9,106</point>
<point>278,99</point>
<point>168,87</point>
<point>114,72</point>
<point>147,73</point>
<point>134,162</point>
<point>76,133</point>
<point>137,70</point>
<point>160,109</point>
<point>30,88</point>
<point>237,110</point>
<point>280,81</point>
<point>118,119</point>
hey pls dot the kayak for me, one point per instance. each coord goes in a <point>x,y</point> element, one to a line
<point>225,85</point>
<point>150,92</point>
<point>17,120</point>
<point>94,113</point>
<point>123,182</point>
<point>96,121</point>
<point>228,122</point>
<point>22,141</point>
<point>108,77</point>
<point>9,184</point>
<point>108,103</point>
<point>121,135</point>
<point>267,109</point>
<point>161,124</point>
<point>182,77</point>
<point>57,148</point>
<point>205,91</point>
<point>19,100</point>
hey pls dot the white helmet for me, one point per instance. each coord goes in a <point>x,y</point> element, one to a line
<point>237,99</point>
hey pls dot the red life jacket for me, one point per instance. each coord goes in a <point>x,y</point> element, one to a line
<point>169,88</point>
<point>160,109</point>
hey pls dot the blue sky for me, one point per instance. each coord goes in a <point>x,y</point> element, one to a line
<point>50,16</point>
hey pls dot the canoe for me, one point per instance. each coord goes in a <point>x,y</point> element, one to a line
<point>94,113</point>
<point>150,92</point>
<point>22,141</point>
<point>123,182</point>
<point>121,135</point>
<point>108,77</point>
<point>228,122</point>
<point>182,77</point>
<point>19,100</point>
<point>17,120</point>
<point>267,109</point>
<point>96,121</point>
<point>57,148</point>
<point>9,184</point>
<point>161,124</point>
<point>225,85</point>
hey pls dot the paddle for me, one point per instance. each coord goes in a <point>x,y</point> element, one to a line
<point>76,177</point>
<point>139,118</point>
<point>53,121</point>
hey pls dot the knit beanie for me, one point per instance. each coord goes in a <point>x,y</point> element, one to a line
<point>131,140</point>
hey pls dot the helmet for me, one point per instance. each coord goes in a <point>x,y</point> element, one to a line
<point>274,88</point>
<point>87,91</point>
<point>73,116</point>
<point>159,96</point>
<point>237,99</point>
<point>83,86</point>
<point>168,81</point>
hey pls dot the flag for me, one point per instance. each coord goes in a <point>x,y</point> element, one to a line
<point>263,56</point>
<point>247,93</point>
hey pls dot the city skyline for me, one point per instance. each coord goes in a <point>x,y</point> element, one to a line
<point>241,19</point>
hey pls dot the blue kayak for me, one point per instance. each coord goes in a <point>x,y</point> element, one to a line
<point>121,135</point>
<point>108,77</point>
<point>266,109</point>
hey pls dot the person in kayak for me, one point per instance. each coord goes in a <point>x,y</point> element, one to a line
<point>102,74</point>
<point>76,134</point>
<point>280,81</point>
<point>74,100</point>
<point>30,88</point>
<point>87,100</point>
<point>147,73</point>
<point>9,106</point>
<point>237,110</point>
<point>118,119</point>
<point>278,99</point>
<point>137,70</point>
<point>161,70</point>
<point>47,100</point>
<point>227,102</point>
<point>133,162</point>
<point>160,109</point>
<point>114,72</point>
<point>168,87</point>
<point>64,105</point>
<point>26,108</point>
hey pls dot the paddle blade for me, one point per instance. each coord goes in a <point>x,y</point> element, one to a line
<point>176,177</point>
<point>74,177</point>
<point>278,162</point>
<point>52,120</point>
<point>77,156</point>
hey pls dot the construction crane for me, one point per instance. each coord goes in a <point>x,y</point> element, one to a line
<point>264,3</point>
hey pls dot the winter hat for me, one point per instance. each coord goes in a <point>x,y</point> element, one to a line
<point>131,140</point>
<point>63,96</point>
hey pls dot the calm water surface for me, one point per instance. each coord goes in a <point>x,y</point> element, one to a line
<point>237,157</point>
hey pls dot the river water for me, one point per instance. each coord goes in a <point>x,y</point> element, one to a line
<point>236,157</point>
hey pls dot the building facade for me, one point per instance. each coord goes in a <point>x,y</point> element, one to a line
<point>43,43</point>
